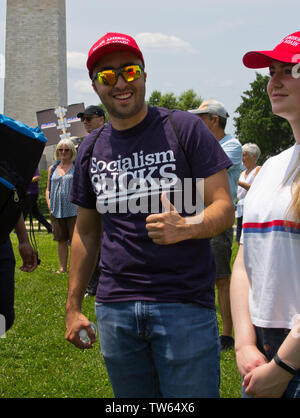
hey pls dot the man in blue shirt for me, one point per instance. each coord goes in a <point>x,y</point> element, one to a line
<point>214,115</point>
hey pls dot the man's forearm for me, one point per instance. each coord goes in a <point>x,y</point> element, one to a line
<point>218,214</point>
<point>84,254</point>
<point>21,230</point>
<point>215,219</point>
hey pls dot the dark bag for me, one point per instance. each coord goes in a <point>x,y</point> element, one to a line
<point>51,174</point>
<point>21,151</point>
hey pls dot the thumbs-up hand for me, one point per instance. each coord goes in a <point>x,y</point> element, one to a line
<point>167,227</point>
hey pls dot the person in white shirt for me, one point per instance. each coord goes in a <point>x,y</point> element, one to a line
<point>250,155</point>
<point>265,285</point>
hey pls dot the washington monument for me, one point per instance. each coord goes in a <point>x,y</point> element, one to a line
<point>35,58</point>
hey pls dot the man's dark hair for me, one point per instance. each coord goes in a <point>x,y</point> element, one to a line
<point>222,121</point>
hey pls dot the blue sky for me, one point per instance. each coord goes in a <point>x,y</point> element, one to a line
<point>195,44</point>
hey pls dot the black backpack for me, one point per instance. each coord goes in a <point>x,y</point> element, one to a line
<point>21,151</point>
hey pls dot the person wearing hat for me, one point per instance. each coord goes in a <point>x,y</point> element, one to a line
<point>93,117</point>
<point>155,299</point>
<point>214,115</point>
<point>265,284</point>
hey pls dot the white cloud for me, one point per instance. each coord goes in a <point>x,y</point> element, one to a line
<point>76,60</point>
<point>161,41</point>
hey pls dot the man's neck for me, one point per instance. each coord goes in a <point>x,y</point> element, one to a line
<point>122,124</point>
<point>219,135</point>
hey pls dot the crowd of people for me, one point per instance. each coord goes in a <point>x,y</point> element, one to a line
<point>154,279</point>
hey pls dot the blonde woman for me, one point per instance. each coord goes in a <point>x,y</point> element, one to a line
<point>62,211</point>
<point>265,286</point>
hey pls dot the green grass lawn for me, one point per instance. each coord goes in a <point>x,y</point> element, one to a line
<point>35,359</point>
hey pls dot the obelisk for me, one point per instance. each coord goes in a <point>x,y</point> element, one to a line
<point>35,58</point>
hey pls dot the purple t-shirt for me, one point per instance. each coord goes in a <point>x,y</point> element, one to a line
<point>135,165</point>
<point>33,188</point>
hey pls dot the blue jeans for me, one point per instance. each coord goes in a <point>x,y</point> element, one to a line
<point>154,349</point>
<point>268,342</point>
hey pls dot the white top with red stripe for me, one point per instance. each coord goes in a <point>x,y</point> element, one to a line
<point>271,242</point>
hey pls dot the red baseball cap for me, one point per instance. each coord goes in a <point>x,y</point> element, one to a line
<point>287,51</point>
<point>111,42</point>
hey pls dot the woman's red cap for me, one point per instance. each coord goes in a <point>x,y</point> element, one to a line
<point>287,51</point>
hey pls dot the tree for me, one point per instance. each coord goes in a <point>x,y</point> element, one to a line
<point>168,100</point>
<point>256,122</point>
<point>187,100</point>
<point>154,99</point>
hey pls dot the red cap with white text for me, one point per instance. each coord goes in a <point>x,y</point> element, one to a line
<point>112,42</point>
<point>287,51</point>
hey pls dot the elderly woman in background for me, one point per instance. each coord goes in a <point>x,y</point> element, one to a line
<point>62,212</point>
<point>251,154</point>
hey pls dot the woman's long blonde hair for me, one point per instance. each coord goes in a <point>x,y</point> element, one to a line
<point>294,208</point>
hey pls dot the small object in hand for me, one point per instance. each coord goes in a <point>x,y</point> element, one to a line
<point>83,334</point>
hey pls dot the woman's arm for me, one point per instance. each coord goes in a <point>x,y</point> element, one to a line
<point>271,380</point>
<point>47,188</point>
<point>247,354</point>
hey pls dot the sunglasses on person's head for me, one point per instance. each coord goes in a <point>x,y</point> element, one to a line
<point>88,118</point>
<point>129,73</point>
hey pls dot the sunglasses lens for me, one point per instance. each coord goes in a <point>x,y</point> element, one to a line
<point>107,77</point>
<point>131,73</point>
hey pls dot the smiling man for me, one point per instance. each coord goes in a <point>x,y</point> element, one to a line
<point>155,300</point>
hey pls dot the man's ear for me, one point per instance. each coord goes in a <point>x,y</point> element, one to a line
<point>145,75</point>
<point>216,120</point>
<point>94,87</point>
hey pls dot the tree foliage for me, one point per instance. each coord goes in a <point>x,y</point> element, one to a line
<point>42,204</point>
<point>256,122</point>
<point>187,100</point>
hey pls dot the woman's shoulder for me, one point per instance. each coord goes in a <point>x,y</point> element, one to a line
<point>53,166</point>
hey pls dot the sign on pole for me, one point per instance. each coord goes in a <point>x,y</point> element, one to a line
<point>61,122</point>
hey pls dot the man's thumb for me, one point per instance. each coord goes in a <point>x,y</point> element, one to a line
<point>167,205</point>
